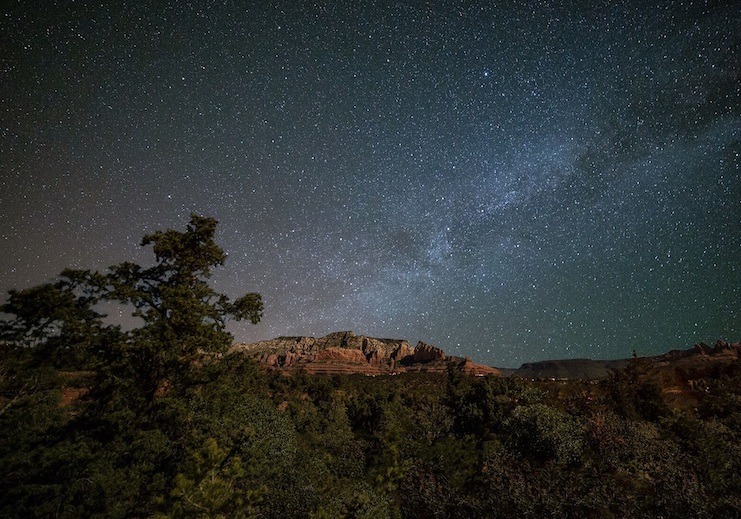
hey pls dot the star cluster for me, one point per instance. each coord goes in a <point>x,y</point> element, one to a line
<point>512,182</point>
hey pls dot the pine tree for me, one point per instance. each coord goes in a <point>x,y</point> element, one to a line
<point>184,318</point>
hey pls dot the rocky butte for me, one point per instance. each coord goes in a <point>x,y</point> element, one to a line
<point>348,353</point>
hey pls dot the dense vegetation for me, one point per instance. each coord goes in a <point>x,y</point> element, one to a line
<point>161,421</point>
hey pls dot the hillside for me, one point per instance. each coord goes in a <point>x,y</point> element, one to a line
<point>586,369</point>
<point>348,353</point>
<point>696,361</point>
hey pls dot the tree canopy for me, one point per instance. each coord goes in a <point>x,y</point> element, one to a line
<point>183,316</point>
<point>163,421</point>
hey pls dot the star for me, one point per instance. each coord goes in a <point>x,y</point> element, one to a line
<point>562,185</point>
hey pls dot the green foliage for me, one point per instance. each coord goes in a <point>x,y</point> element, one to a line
<point>57,324</point>
<point>545,433</point>
<point>636,392</point>
<point>356,500</point>
<point>480,406</point>
<point>183,316</point>
<point>211,485</point>
<point>721,397</point>
<point>165,423</point>
<point>41,313</point>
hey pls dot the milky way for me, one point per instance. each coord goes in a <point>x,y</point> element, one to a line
<point>512,182</point>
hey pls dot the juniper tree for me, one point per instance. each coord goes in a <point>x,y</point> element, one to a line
<point>183,317</point>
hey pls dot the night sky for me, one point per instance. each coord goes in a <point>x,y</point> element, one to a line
<point>512,181</point>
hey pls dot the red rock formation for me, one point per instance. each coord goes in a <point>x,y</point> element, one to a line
<point>700,349</point>
<point>478,370</point>
<point>403,354</point>
<point>341,356</point>
<point>701,352</point>
<point>346,352</point>
<point>727,349</point>
<point>427,353</point>
<point>375,359</point>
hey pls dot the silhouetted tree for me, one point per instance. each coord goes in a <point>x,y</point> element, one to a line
<point>183,316</point>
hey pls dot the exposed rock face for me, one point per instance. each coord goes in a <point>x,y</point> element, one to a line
<point>702,353</point>
<point>344,355</point>
<point>403,354</point>
<point>478,370</point>
<point>346,352</point>
<point>427,353</point>
<point>335,353</point>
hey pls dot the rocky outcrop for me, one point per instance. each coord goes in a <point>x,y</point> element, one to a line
<point>346,352</point>
<point>702,352</point>
<point>427,353</point>
<point>403,355</point>
<point>336,352</point>
<point>478,370</point>
<point>341,355</point>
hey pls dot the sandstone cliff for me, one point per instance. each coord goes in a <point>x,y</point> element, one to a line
<point>346,352</point>
<point>703,353</point>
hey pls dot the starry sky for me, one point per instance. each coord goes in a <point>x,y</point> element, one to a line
<point>513,181</point>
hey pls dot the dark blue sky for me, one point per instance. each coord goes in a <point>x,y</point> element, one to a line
<point>512,182</point>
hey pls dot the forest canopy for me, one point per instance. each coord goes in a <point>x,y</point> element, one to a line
<point>164,421</point>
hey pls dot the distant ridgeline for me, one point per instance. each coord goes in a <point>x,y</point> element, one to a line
<point>346,352</point>
<point>700,356</point>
